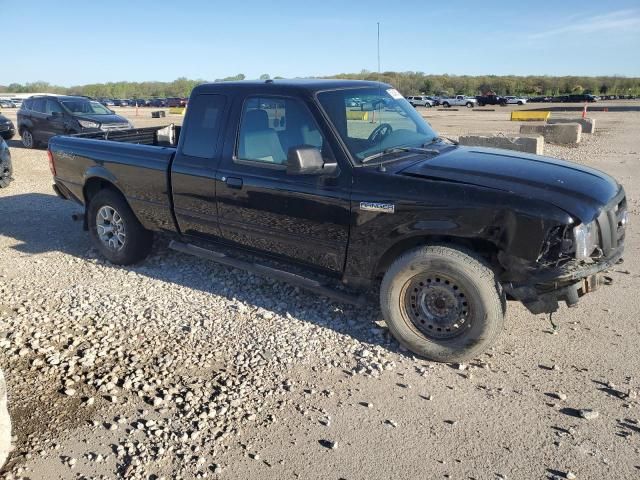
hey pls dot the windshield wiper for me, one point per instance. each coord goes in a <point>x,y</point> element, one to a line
<point>440,139</point>
<point>387,151</point>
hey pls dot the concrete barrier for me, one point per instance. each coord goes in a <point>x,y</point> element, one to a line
<point>588,124</point>
<point>5,422</point>
<point>177,110</point>
<point>560,133</point>
<point>520,143</point>
<point>528,116</point>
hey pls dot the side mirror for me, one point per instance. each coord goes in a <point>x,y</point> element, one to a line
<point>56,114</point>
<point>307,160</point>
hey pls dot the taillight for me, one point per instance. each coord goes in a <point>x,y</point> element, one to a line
<point>52,165</point>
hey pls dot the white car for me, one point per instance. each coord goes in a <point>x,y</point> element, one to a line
<point>420,100</point>
<point>459,100</point>
<point>516,100</point>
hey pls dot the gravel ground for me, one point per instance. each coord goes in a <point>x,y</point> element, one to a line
<point>179,368</point>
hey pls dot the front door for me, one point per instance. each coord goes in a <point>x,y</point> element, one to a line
<point>260,206</point>
<point>54,121</point>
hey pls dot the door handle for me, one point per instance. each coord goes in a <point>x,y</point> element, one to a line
<point>233,182</point>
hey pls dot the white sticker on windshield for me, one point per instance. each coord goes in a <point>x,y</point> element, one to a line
<point>395,94</point>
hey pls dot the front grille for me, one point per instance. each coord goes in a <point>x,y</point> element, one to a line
<point>114,126</point>
<point>612,223</point>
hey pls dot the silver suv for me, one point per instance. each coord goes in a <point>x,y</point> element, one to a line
<point>420,100</point>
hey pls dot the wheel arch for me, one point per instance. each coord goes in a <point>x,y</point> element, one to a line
<point>482,247</point>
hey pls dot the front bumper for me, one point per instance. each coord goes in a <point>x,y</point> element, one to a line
<point>544,291</point>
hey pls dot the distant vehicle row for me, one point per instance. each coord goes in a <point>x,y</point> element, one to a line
<point>141,102</point>
<point>491,99</point>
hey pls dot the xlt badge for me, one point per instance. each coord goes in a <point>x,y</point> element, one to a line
<point>377,207</point>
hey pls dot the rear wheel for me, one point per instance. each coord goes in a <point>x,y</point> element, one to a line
<point>446,105</point>
<point>27,138</point>
<point>442,303</point>
<point>469,105</point>
<point>115,231</point>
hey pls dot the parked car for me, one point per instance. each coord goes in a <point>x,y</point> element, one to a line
<point>581,97</point>
<point>157,102</point>
<point>42,117</point>
<point>491,100</point>
<point>7,128</point>
<point>451,230</point>
<point>540,99</point>
<point>107,102</point>
<point>513,100</point>
<point>17,102</point>
<point>140,102</point>
<point>176,102</point>
<point>120,102</point>
<point>420,101</point>
<point>5,103</point>
<point>6,168</point>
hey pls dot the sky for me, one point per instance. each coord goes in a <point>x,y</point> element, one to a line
<point>73,42</point>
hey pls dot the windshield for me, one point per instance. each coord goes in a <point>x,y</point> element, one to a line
<point>372,120</point>
<point>85,106</point>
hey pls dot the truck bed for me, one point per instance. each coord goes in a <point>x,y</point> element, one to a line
<point>135,161</point>
<point>163,136</point>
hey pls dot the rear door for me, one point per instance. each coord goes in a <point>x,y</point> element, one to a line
<point>37,116</point>
<point>193,169</point>
<point>260,206</point>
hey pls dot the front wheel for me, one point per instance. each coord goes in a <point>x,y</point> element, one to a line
<point>442,303</point>
<point>115,231</point>
<point>6,172</point>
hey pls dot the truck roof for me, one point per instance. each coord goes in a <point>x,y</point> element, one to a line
<point>309,85</point>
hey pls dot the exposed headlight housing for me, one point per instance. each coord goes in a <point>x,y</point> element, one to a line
<point>88,124</point>
<point>586,239</point>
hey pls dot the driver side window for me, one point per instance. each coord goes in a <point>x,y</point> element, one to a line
<point>271,126</point>
<point>52,106</point>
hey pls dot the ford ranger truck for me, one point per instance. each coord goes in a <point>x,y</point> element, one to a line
<point>341,197</point>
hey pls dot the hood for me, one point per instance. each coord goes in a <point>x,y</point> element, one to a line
<point>581,191</point>
<point>102,119</point>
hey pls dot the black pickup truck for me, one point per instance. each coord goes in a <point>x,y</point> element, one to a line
<point>292,171</point>
<point>491,100</point>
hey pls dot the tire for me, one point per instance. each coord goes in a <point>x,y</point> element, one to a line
<point>132,243</point>
<point>469,105</point>
<point>6,173</point>
<point>27,138</point>
<point>520,103</point>
<point>442,280</point>
<point>446,105</point>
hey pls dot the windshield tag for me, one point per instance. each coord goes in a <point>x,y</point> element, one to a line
<point>395,94</point>
<point>377,207</point>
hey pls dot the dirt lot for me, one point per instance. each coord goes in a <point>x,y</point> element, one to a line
<point>176,368</point>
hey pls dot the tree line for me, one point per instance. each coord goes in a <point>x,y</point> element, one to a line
<point>408,83</point>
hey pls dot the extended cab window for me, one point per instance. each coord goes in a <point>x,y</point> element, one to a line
<point>205,112</point>
<point>270,126</point>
